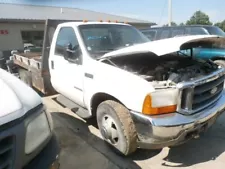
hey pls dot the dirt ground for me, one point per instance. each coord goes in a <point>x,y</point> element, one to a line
<point>83,148</point>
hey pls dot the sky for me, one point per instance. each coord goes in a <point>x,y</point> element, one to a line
<point>151,10</point>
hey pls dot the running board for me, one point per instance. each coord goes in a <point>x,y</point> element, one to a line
<point>80,111</point>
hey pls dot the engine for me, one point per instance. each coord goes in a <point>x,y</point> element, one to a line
<point>164,71</point>
<point>173,72</point>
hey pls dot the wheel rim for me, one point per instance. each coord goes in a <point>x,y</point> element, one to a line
<point>109,130</point>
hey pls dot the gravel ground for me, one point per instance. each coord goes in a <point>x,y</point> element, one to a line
<point>83,148</point>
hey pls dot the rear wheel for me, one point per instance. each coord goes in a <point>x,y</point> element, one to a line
<point>117,127</point>
<point>220,63</point>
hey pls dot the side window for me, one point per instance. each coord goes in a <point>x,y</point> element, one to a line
<point>177,32</point>
<point>196,31</point>
<point>65,37</point>
<point>165,34</point>
<point>150,34</point>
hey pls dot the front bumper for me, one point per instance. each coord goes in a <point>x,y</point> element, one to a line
<point>155,132</point>
<point>12,148</point>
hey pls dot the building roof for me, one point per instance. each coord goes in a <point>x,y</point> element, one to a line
<point>30,12</point>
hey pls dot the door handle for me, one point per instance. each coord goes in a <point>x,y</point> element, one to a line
<point>88,75</point>
<point>52,64</point>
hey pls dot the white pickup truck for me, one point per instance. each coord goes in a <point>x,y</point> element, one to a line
<point>143,94</point>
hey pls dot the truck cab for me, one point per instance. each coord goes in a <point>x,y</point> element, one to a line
<point>26,133</point>
<point>75,49</point>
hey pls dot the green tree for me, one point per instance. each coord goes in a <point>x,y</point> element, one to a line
<point>181,24</point>
<point>221,25</point>
<point>199,18</point>
<point>172,24</point>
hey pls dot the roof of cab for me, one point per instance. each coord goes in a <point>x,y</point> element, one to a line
<point>90,23</point>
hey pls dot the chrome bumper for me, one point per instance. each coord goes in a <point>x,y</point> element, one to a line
<point>156,132</point>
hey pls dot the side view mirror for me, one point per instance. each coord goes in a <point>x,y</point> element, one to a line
<point>71,53</point>
<point>69,48</point>
<point>68,51</point>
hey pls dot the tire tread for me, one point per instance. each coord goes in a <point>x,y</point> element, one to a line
<point>127,125</point>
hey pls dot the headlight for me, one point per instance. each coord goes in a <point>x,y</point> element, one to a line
<point>160,102</point>
<point>37,132</point>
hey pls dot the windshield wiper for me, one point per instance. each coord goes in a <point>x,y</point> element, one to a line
<point>179,52</point>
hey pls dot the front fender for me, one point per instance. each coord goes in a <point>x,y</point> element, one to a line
<point>126,87</point>
<point>131,100</point>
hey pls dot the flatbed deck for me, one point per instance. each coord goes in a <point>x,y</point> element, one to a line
<point>32,55</point>
<point>28,60</point>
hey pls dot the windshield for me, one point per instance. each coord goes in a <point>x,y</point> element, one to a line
<point>102,38</point>
<point>215,31</point>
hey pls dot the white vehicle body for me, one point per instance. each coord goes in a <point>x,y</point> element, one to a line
<point>14,104</point>
<point>85,79</point>
<point>26,127</point>
<point>81,90</point>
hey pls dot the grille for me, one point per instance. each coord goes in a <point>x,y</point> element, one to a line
<point>200,95</point>
<point>6,152</point>
<point>207,93</point>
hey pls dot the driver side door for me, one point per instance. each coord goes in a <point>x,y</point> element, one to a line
<point>66,66</point>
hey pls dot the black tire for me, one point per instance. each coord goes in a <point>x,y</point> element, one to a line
<point>127,135</point>
<point>25,76</point>
<point>220,63</point>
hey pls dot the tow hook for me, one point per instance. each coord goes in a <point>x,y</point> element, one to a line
<point>196,136</point>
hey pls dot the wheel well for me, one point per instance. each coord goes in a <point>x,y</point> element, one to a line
<point>98,99</point>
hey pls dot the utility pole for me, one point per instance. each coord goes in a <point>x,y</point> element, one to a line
<point>169,12</point>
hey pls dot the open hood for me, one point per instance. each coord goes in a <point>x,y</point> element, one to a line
<point>171,45</point>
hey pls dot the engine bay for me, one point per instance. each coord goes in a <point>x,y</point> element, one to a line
<point>164,71</point>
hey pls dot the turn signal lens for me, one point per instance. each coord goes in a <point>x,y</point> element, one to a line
<point>147,108</point>
<point>167,109</point>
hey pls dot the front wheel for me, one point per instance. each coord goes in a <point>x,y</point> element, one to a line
<point>117,127</point>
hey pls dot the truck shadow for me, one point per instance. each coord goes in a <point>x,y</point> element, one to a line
<point>74,134</point>
<point>207,148</point>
